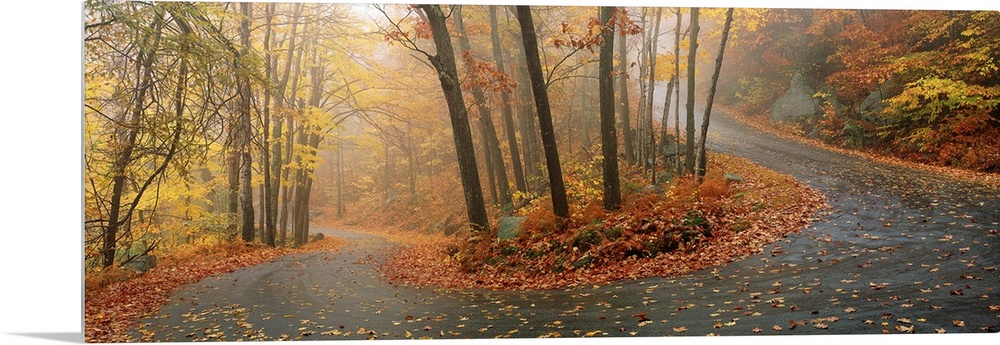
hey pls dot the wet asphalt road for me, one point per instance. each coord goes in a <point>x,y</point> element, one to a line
<point>900,250</point>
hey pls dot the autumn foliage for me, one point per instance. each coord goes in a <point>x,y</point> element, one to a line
<point>918,85</point>
<point>686,228</point>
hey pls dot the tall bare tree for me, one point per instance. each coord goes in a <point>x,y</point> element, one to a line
<point>677,93</point>
<point>489,134</point>
<point>508,114</point>
<point>692,59</point>
<point>244,129</point>
<point>650,150</point>
<point>444,63</point>
<point>623,103</point>
<point>700,173</point>
<point>609,139</point>
<point>560,206</point>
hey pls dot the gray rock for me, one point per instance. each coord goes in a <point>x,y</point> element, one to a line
<point>873,103</point>
<point>142,263</point>
<point>510,227</point>
<point>731,178</point>
<point>318,237</point>
<point>796,104</point>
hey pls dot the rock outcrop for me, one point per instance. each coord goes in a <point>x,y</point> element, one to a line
<point>797,104</point>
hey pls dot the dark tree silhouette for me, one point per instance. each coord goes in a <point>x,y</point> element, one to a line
<point>609,139</point>
<point>530,41</point>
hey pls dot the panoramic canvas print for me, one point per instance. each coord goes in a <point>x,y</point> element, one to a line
<point>317,171</point>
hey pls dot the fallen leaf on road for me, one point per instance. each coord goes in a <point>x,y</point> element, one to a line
<point>641,316</point>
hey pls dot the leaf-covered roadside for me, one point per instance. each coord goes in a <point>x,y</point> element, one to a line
<point>682,230</point>
<point>790,132</point>
<point>110,311</point>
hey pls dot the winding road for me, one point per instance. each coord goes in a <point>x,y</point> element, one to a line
<point>901,250</point>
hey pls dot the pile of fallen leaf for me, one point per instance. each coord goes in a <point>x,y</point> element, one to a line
<point>685,228</point>
<point>111,310</point>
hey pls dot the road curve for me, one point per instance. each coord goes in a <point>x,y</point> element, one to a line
<point>901,250</point>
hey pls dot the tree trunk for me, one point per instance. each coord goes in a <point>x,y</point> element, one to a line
<point>692,59</point>
<point>529,137</point>
<point>609,139</point>
<point>246,192</point>
<point>302,217</point>
<point>233,179</point>
<point>386,172</point>
<point>411,165</point>
<point>587,96</point>
<point>711,95</point>
<point>640,118</point>
<point>276,148</point>
<point>144,63</point>
<point>300,188</point>
<point>259,211</point>
<point>508,115</point>
<point>340,177</point>
<point>290,123</point>
<point>285,192</point>
<point>559,204</point>
<point>623,104</point>
<point>677,93</point>
<point>269,196</point>
<point>662,144</point>
<point>650,145</point>
<point>444,63</point>
<point>492,144</point>
<point>302,196</point>
<point>491,178</point>
<point>309,140</point>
